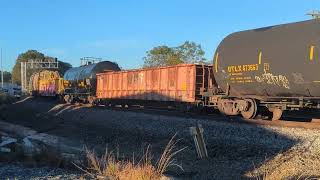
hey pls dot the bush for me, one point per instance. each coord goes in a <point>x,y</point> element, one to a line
<point>110,167</point>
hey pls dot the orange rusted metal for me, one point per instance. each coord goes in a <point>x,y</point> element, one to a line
<point>182,83</point>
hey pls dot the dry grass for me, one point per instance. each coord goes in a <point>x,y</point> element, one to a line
<point>300,163</point>
<point>110,167</point>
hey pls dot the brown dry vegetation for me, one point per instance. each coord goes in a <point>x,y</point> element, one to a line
<point>110,167</point>
<point>300,162</point>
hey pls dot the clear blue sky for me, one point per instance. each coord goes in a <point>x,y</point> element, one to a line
<point>124,30</point>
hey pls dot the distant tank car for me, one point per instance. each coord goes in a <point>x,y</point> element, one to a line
<point>46,83</point>
<point>81,81</point>
<point>276,67</point>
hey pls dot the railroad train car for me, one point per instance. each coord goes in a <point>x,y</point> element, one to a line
<point>274,68</point>
<point>171,85</point>
<point>46,83</point>
<point>80,82</point>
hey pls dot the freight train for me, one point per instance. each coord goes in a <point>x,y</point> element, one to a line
<point>261,71</point>
<point>77,84</point>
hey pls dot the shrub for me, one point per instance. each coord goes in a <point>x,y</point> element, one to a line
<point>110,167</point>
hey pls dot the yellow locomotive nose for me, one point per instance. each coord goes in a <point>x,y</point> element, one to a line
<point>45,83</point>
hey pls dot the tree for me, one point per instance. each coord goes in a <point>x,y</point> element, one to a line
<point>6,76</point>
<point>161,56</point>
<point>34,55</point>
<point>188,52</point>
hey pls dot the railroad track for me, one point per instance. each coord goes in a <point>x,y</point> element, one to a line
<point>291,121</point>
<point>284,123</point>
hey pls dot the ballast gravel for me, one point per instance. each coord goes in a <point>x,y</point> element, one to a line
<point>236,150</point>
<point>14,171</point>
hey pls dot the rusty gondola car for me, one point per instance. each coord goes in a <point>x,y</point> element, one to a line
<point>274,68</point>
<point>172,85</point>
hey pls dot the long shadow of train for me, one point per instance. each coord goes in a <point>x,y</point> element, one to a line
<point>234,149</point>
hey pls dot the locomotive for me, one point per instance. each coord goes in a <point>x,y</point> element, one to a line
<point>46,83</point>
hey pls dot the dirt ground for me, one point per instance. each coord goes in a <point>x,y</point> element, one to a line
<point>236,151</point>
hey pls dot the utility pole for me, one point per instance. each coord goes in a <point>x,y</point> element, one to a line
<point>1,69</point>
<point>314,14</point>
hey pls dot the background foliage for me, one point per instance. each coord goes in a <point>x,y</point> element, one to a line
<point>34,55</point>
<point>188,52</point>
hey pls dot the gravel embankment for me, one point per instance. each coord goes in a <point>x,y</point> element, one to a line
<point>235,150</point>
<point>16,171</point>
<point>300,161</point>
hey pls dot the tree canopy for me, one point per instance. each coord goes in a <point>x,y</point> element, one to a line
<point>34,55</point>
<point>188,52</point>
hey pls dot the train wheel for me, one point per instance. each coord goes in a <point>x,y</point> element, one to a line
<point>91,100</point>
<point>68,99</point>
<point>251,112</point>
<point>276,113</point>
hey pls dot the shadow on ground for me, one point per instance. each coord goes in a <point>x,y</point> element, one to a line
<point>234,148</point>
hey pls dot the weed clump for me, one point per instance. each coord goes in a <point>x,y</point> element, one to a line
<point>110,167</point>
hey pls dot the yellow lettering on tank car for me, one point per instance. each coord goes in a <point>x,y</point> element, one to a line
<point>229,69</point>
<point>239,69</point>
<point>266,67</point>
<point>236,74</point>
<point>243,68</point>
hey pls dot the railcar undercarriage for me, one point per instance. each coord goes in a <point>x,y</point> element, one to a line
<point>271,107</point>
